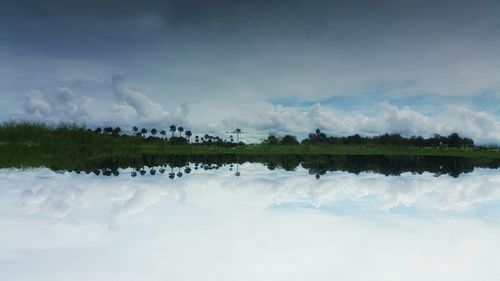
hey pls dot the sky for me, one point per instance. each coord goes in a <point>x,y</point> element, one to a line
<point>414,67</point>
<point>272,225</point>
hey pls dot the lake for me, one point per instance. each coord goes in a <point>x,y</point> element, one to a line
<point>421,219</point>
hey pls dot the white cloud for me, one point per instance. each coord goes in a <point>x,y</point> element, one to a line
<point>480,126</point>
<point>59,104</point>
<point>68,195</point>
<point>131,107</point>
<point>138,103</point>
<point>234,225</point>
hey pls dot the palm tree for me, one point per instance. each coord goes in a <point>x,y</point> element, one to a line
<point>163,134</point>
<point>180,129</point>
<point>196,139</point>
<point>188,135</point>
<point>171,175</point>
<point>98,130</point>
<point>154,131</point>
<point>173,129</point>
<point>135,129</point>
<point>237,171</point>
<point>237,132</point>
<point>144,131</point>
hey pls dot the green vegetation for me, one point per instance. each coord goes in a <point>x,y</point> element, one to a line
<point>104,151</point>
<point>34,145</point>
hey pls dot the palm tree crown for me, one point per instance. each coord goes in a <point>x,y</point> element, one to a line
<point>173,129</point>
<point>188,134</point>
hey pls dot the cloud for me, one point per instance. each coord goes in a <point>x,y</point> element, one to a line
<point>257,118</point>
<point>480,126</point>
<point>54,201</point>
<point>246,231</point>
<point>70,195</point>
<point>142,106</point>
<point>132,201</point>
<point>134,106</point>
<point>59,104</point>
<point>130,107</point>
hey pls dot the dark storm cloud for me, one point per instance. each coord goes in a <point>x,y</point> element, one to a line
<point>122,28</point>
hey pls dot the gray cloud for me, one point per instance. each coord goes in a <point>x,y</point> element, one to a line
<point>133,105</point>
<point>230,58</point>
<point>59,104</point>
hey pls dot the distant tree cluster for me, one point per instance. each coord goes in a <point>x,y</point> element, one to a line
<point>183,137</point>
<point>453,140</point>
<point>214,140</point>
<point>320,138</point>
<point>285,140</point>
<point>154,134</point>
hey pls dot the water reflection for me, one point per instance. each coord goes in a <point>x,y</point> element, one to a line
<point>69,226</point>
<point>316,166</point>
<point>185,170</point>
<point>43,189</point>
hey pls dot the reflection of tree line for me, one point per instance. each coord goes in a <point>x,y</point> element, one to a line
<point>177,166</point>
<point>173,172</point>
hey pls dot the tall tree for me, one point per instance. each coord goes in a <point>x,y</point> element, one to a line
<point>180,129</point>
<point>144,131</point>
<point>173,129</point>
<point>188,135</point>
<point>154,131</point>
<point>237,132</point>
<point>163,134</point>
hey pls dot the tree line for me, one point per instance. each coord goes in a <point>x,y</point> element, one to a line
<point>156,135</point>
<point>320,138</point>
<point>71,134</point>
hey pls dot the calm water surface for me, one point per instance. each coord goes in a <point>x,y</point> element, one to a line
<point>261,225</point>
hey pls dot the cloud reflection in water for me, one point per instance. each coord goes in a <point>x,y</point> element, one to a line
<point>272,225</point>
